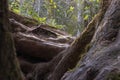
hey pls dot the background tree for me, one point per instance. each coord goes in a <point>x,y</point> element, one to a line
<point>70,15</point>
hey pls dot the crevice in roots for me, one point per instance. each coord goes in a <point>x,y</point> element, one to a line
<point>91,74</point>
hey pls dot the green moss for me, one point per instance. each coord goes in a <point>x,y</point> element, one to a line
<point>114,76</point>
<point>30,21</point>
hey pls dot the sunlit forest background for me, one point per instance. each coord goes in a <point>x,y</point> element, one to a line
<point>71,16</point>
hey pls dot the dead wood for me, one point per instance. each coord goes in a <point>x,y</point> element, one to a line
<point>30,45</point>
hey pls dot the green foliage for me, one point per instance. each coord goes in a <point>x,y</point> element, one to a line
<point>14,6</point>
<point>70,15</point>
<point>90,9</point>
<point>86,17</point>
<point>23,9</point>
<point>53,23</point>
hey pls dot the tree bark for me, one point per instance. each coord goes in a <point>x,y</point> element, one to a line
<point>102,62</point>
<point>9,67</point>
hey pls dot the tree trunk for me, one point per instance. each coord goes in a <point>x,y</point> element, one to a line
<point>9,67</point>
<point>102,61</point>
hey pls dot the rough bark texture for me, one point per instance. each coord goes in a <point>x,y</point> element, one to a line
<point>9,67</point>
<point>102,61</point>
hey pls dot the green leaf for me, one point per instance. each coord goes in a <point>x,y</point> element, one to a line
<point>16,10</point>
<point>86,17</point>
<point>71,8</point>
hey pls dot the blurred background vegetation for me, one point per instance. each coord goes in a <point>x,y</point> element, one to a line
<point>71,16</point>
